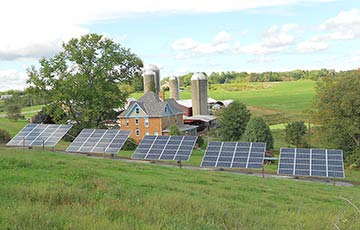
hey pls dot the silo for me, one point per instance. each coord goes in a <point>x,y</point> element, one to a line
<point>149,81</point>
<point>199,88</point>
<point>174,88</point>
<point>155,69</point>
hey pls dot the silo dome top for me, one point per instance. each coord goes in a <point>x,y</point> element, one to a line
<point>151,67</point>
<point>198,76</point>
<point>149,72</point>
<point>172,78</point>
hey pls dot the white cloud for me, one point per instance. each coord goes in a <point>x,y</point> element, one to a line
<point>188,47</point>
<point>311,46</point>
<point>260,60</point>
<point>222,37</point>
<point>12,79</point>
<point>344,26</point>
<point>31,29</point>
<point>184,44</point>
<point>275,39</point>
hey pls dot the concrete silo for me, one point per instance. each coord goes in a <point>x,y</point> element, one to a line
<point>199,88</point>
<point>155,69</point>
<point>149,81</point>
<point>174,88</point>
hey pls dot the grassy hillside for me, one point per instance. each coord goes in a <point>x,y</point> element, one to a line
<point>292,96</point>
<point>43,190</point>
<point>277,102</point>
<point>13,127</point>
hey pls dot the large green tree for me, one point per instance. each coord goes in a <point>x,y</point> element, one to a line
<point>295,132</point>
<point>258,131</point>
<point>337,106</point>
<point>233,120</point>
<point>83,79</point>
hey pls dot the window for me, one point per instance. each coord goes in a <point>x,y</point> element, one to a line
<point>146,121</point>
<point>127,122</point>
<point>156,134</point>
<point>147,134</point>
<point>136,121</point>
<point>166,109</point>
<point>176,120</point>
<point>137,132</point>
<point>169,120</point>
<point>137,110</point>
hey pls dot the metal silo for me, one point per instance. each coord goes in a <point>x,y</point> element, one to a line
<point>174,88</point>
<point>199,88</point>
<point>155,69</point>
<point>149,81</point>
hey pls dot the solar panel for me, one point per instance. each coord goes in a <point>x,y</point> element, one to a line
<point>234,154</point>
<point>165,148</point>
<point>39,135</point>
<point>99,141</point>
<point>311,162</point>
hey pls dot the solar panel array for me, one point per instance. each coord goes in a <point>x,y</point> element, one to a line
<point>99,141</point>
<point>165,148</point>
<point>234,155</point>
<point>311,162</point>
<point>39,135</point>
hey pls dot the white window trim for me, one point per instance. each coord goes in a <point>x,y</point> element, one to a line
<point>146,122</point>
<point>137,132</point>
<point>136,121</point>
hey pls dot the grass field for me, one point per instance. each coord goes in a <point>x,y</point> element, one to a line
<point>44,190</point>
<point>11,126</point>
<point>277,102</point>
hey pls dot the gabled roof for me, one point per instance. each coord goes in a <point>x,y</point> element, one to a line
<point>153,106</point>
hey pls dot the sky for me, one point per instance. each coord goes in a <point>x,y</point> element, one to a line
<point>186,36</point>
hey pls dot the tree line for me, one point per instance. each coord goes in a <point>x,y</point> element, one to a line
<point>241,77</point>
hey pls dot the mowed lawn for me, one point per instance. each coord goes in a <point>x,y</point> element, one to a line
<point>44,190</point>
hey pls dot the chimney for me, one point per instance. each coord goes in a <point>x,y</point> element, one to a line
<point>162,95</point>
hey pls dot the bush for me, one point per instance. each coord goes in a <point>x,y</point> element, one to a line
<point>4,136</point>
<point>130,144</point>
<point>200,141</point>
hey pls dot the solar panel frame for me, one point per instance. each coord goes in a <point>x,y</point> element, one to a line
<point>165,148</point>
<point>292,162</point>
<point>234,154</point>
<point>47,135</point>
<point>108,141</point>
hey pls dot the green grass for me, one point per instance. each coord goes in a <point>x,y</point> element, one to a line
<point>44,190</point>
<point>13,127</point>
<point>31,111</point>
<point>292,96</point>
<point>277,102</point>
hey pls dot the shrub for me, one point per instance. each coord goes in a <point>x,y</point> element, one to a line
<point>130,144</point>
<point>4,136</point>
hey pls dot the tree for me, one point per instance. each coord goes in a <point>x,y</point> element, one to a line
<point>258,131</point>
<point>83,79</point>
<point>294,133</point>
<point>233,120</point>
<point>174,130</point>
<point>337,106</point>
<point>13,111</point>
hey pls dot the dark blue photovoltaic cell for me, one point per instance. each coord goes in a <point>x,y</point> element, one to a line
<point>165,148</point>
<point>39,135</point>
<point>311,162</point>
<point>99,141</point>
<point>234,155</point>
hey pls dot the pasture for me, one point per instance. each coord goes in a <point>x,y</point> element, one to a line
<point>47,190</point>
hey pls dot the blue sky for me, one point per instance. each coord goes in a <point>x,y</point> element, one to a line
<point>187,36</point>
